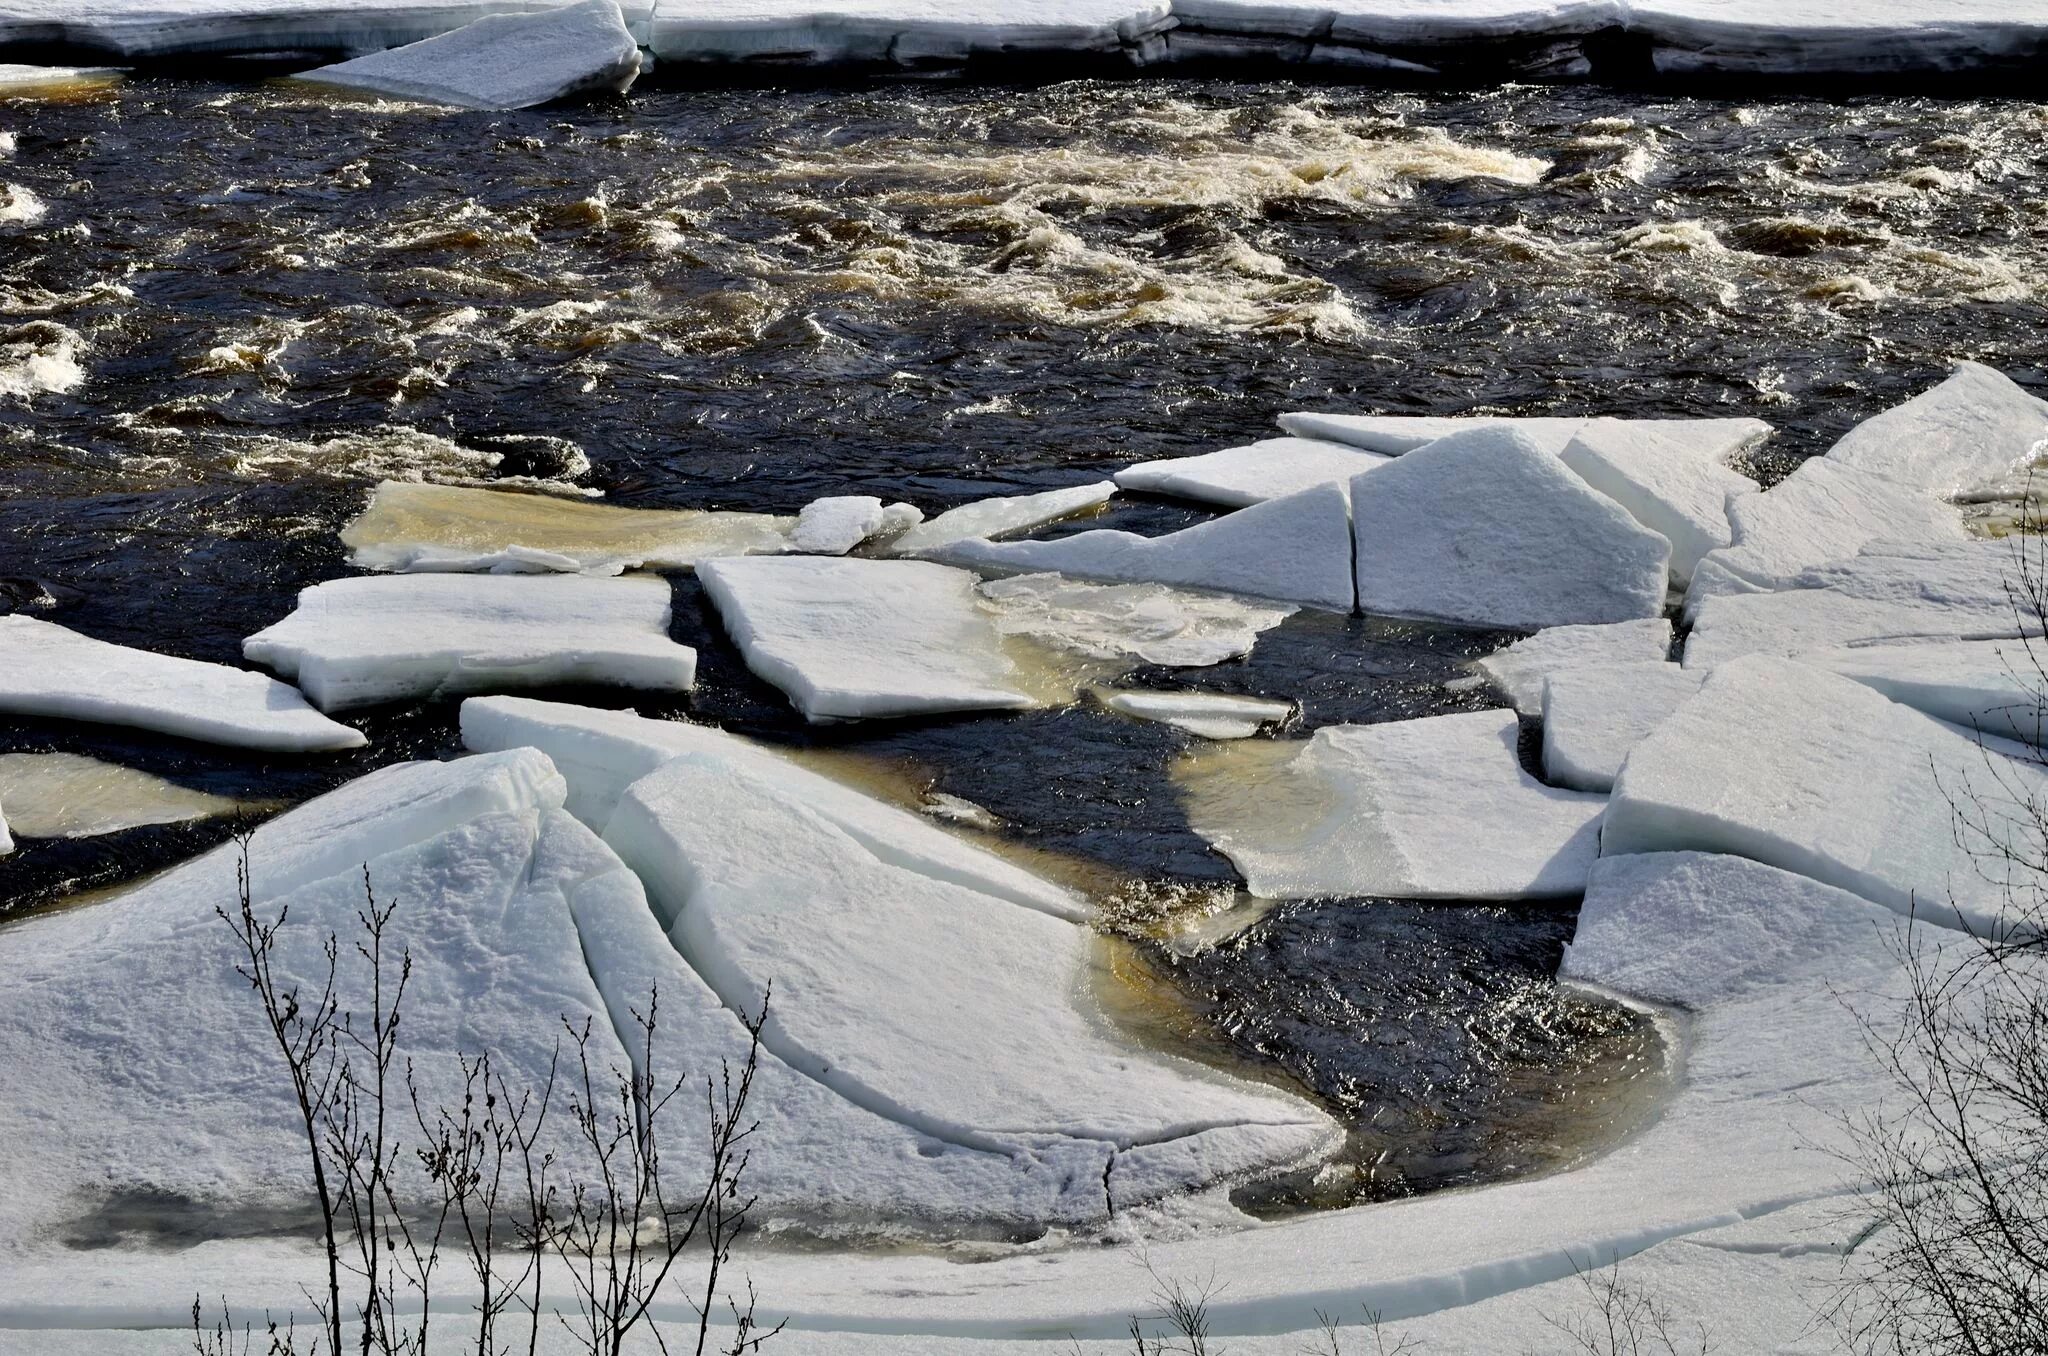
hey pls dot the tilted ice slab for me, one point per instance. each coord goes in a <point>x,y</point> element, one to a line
<point>444,528</point>
<point>1993,687</point>
<point>852,639</point>
<point>601,753</point>
<point>1676,486</point>
<point>1816,773</point>
<point>383,638</point>
<point>836,524</point>
<point>1240,476</point>
<point>1004,516</point>
<point>1296,549</point>
<point>48,670</point>
<point>1147,623</point>
<point>896,32</point>
<point>1959,440</point>
<point>1891,592</point>
<point>1438,808</point>
<point>1595,715</point>
<point>1487,527</point>
<point>1520,669</point>
<point>504,60</point>
<point>68,795</point>
<point>1393,434</point>
<point>1210,715</point>
<point>921,999</point>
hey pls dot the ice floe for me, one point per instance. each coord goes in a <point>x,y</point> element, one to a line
<point>1296,549</point>
<point>1816,773</point>
<point>889,32</point>
<point>49,670</point>
<point>68,795</point>
<point>1003,516</point>
<point>1990,686</point>
<point>836,524</point>
<point>1438,808</point>
<point>504,60</point>
<point>1210,715</point>
<point>29,82</point>
<point>384,638</point>
<point>437,528</point>
<point>1147,623</point>
<point>1393,434</point>
<point>1676,486</point>
<point>1963,439</point>
<point>1520,669</point>
<point>1594,715</point>
<point>1489,528</point>
<point>852,639</point>
<point>1240,476</point>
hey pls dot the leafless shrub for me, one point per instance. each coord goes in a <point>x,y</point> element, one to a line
<point>1376,1340</point>
<point>1620,1318</point>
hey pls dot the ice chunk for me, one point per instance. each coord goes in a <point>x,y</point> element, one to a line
<point>836,524</point>
<point>1824,511</point>
<point>1490,529</point>
<point>1211,715</point>
<point>1595,714</point>
<point>1149,623</point>
<point>601,753</point>
<point>411,527</point>
<point>67,795</point>
<point>33,82</point>
<point>851,639</point>
<point>1000,517</point>
<point>1959,440</point>
<point>1296,549</point>
<point>504,60</point>
<point>895,32</point>
<point>950,1011</point>
<point>47,670</point>
<point>1520,669</point>
<point>362,641</point>
<point>1675,486</point>
<point>1991,686</point>
<point>1438,808</point>
<point>1393,434</point>
<point>1240,476</point>
<point>1816,773</point>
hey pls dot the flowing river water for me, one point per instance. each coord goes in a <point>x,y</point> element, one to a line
<point>226,311</point>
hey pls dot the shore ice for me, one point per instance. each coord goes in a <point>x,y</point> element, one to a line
<point>49,670</point>
<point>1238,477</point>
<point>68,795</point>
<point>1144,623</point>
<point>1676,486</point>
<point>503,61</point>
<point>1521,669</point>
<point>837,523</point>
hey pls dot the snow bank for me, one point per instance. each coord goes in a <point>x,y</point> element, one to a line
<point>1489,528</point>
<point>67,795</point>
<point>1815,773</point>
<point>1438,808</point>
<point>504,61</point>
<point>1000,517</point>
<point>1677,486</point>
<point>441,528</point>
<point>836,524</point>
<point>1240,476</point>
<point>47,670</point>
<point>1594,716</point>
<point>1521,669</point>
<point>1210,715</point>
<point>359,642</point>
<point>854,639</point>
<point>1296,549</point>
<point>1968,435</point>
<point>1147,623</point>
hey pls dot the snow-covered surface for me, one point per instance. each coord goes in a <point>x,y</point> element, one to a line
<point>1393,434</point>
<point>898,32</point>
<point>1958,440</point>
<point>850,639</point>
<point>68,795</point>
<point>1438,808</point>
<point>1488,527</point>
<point>1594,715</point>
<point>1148,623</point>
<point>1210,715</point>
<point>1872,37</point>
<point>383,638</point>
<point>837,523</point>
<point>1296,549</point>
<point>151,28</point>
<point>504,60</point>
<point>1990,686</point>
<point>1519,670</point>
<point>49,670</point>
<point>445,528</point>
<point>1823,511</point>
<point>1675,485</point>
<point>1004,516</point>
<point>1815,773</point>
<point>1240,476</point>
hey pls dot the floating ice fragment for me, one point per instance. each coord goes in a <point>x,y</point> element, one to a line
<point>67,795</point>
<point>1210,715</point>
<point>1000,517</point>
<point>1150,623</point>
<point>1241,476</point>
<point>503,60</point>
<point>36,82</point>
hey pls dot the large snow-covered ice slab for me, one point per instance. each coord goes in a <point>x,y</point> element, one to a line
<point>1489,528</point>
<point>895,32</point>
<point>1961,440</point>
<point>1993,687</point>
<point>1520,669</point>
<point>444,528</point>
<point>1146,623</point>
<point>1816,773</point>
<point>1823,511</point>
<point>1393,434</point>
<point>1003,516</point>
<point>1674,485</point>
<point>68,795</point>
<point>1594,715</point>
<point>49,670</point>
<point>1295,549</point>
<point>851,639</point>
<point>1238,477</point>
<point>1438,808</point>
<point>383,638</point>
<point>503,60</point>
<point>148,28</point>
